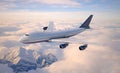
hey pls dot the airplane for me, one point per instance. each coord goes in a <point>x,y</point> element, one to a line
<point>38,37</point>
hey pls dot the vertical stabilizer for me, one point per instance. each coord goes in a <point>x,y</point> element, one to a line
<point>87,22</point>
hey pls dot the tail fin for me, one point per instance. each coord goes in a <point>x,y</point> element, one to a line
<point>86,23</point>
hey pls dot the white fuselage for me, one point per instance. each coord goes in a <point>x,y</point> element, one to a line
<point>35,37</point>
<point>46,36</point>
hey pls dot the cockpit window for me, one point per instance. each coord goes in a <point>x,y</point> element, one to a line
<point>26,34</point>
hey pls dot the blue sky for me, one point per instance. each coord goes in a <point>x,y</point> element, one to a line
<point>59,5</point>
<point>106,10</point>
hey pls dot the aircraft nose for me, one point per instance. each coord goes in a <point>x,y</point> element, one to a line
<point>23,40</point>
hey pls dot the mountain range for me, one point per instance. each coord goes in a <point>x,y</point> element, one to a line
<point>22,60</point>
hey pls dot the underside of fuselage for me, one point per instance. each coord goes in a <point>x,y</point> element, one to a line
<point>38,41</point>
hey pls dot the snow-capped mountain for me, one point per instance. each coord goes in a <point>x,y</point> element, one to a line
<point>21,60</point>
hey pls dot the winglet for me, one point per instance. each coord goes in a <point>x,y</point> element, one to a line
<point>86,23</point>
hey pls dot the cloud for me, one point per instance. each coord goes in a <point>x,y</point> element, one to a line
<point>5,29</point>
<point>21,4</point>
<point>69,3</point>
<point>6,4</point>
<point>5,69</point>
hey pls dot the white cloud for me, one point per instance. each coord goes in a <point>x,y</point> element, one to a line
<point>5,69</point>
<point>10,4</point>
<point>5,5</point>
<point>70,3</point>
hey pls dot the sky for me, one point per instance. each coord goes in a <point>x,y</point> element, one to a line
<point>18,17</point>
<point>59,5</point>
<point>58,9</point>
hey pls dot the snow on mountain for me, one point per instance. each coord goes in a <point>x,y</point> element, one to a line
<point>22,60</point>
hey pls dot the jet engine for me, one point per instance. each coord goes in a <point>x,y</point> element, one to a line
<point>62,46</point>
<point>45,28</point>
<point>83,47</point>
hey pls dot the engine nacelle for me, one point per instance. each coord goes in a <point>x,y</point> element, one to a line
<point>62,46</point>
<point>45,28</point>
<point>83,47</point>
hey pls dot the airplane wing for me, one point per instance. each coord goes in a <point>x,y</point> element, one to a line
<point>60,42</point>
<point>64,44</point>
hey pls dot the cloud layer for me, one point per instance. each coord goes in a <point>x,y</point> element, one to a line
<point>101,56</point>
<point>58,2</point>
<point>21,4</point>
